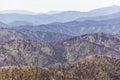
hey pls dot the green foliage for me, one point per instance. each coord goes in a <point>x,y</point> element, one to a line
<point>35,53</point>
<point>91,68</point>
<point>26,73</point>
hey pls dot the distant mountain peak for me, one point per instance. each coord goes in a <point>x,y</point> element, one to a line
<point>17,11</point>
<point>54,12</point>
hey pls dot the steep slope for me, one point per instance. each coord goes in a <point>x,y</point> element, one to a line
<point>25,53</point>
<point>108,40</point>
<point>81,46</point>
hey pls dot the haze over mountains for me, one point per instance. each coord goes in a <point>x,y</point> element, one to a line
<point>76,28</point>
<point>93,21</point>
<point>98,18</point>
<point>37,19</point>
<point>17,12</point>
<point>71,45</point>
<point>96,67</point>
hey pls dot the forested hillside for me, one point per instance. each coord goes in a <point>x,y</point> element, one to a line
<point>37,53</point>
<point>90,68</point>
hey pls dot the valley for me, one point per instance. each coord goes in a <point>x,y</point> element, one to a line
<point>65,45</point>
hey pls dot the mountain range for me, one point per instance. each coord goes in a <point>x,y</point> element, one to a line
<point>81,25</point>
<point>37,19</point>
<point>76,28</point>
<point>36,53</point>
<point>99,18</point>
<point>60,45</point>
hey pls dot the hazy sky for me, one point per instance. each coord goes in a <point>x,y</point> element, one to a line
<point>55,5</point>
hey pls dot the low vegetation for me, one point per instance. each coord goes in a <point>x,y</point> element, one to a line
<point>90,68</point>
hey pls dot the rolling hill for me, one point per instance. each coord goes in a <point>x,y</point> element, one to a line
<point>92,68</point>
<point>11,34</point>
<point>35,53</point>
